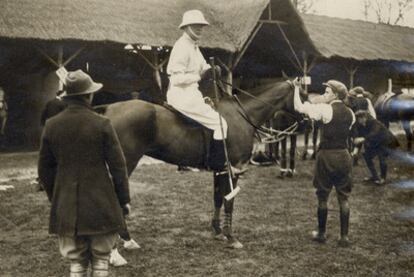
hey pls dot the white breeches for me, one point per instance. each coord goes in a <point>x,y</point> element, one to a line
<point>189,101</point>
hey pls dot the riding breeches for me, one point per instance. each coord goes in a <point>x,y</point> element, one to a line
<point>189,101</point>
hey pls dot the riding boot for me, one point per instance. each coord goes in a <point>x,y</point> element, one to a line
<point>344,219</point>
<point>322,218</point>
<point>217,157</point>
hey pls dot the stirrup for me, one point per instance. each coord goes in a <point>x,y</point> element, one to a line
<point>238,171</point>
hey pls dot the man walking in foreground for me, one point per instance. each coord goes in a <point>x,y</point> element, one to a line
<point>333,161</point>
<point>83,170</point>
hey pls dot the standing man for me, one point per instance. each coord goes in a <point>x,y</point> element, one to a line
<point>83,170</point>
<point>186,67</point>
<point>333,161</point>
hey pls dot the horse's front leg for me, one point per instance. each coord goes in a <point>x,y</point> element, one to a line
<point>292,155</point>
<point>315,140</point>
<point>283,160</point>
<point>222,187</point>
<point>306,144</point>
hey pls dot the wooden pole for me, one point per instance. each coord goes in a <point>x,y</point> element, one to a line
<point>60,63</point>
<point>229,77</point>
<point>305,70</point>
<point>389,85</point>
<point>155,59</point>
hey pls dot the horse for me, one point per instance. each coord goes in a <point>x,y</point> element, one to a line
<point>396,108</point>
<point>150,129</point>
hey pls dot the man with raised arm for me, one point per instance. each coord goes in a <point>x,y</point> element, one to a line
<point>333,161</point>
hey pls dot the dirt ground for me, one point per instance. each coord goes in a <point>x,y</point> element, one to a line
<point>171,216</point>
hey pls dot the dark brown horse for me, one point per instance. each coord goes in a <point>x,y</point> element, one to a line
<point>399,107</point>
<point>149,129</point>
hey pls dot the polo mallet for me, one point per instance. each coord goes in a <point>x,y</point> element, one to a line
<point>234,191</point>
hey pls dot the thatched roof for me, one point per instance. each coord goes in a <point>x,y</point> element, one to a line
<point>150,22</point>
<point>359,40</point>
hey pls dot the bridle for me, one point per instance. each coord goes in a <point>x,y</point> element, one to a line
<point>264,134</point>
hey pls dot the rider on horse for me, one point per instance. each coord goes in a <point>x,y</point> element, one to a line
<point>186,67</point>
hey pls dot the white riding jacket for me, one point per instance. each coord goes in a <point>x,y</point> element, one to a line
<point>185,67</point>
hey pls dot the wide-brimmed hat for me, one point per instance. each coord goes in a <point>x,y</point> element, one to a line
<point>80,83</point>
<point>193,17</point>
<point>338,88</point>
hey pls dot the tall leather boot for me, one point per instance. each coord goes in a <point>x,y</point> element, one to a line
<point>344,219</point>
<point>217,158</point>
<point>322,218</point>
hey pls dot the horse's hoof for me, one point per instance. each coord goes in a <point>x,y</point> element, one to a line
<point>313,157</point>
<point>234,244</point>
<point>304,157</point>
<point>289,174</point>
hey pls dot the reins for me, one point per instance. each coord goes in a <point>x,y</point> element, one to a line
<point>264,134</point>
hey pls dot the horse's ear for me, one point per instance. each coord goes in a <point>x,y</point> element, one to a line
<point>284,75</point>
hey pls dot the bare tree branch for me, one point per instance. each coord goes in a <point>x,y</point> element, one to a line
<point>387,11</point>
<point>367,6</point>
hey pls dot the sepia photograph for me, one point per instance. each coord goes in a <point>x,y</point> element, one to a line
<point>185,138</point>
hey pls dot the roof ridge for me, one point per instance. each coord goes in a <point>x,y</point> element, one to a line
<point>358,20</point>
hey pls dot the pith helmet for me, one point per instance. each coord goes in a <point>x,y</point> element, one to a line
<point>193,17</point>
<point>338,88</point>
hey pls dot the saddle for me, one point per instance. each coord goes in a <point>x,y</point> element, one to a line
<point>187,120</point>
<point>214,157</point>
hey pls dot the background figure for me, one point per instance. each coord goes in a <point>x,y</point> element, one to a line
<point>53,107</point>
<point>333,161</point>
<point>3,112</point>
<point>80,153</point>
<point>378,141</point>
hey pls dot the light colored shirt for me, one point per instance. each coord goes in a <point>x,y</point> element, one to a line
<point>320,112</point>
<point>186,64</point>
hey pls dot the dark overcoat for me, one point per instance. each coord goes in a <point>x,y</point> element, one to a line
<point>83,170</point>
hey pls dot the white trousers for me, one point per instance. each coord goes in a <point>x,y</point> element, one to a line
<point>190,102</point>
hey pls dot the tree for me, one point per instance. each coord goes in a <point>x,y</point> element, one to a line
<point>304,6</point>
<point>387,11</point>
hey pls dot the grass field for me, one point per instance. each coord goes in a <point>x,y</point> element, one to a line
<point>171,216</point>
